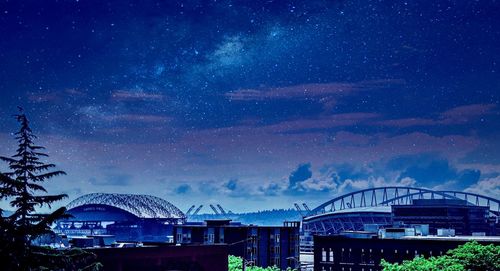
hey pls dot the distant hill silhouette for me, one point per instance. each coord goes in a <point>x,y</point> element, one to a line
<point>266,217</point>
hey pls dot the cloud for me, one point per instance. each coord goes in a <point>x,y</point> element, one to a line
<point>53,96</point>
<point>231,188</point>
<point>430,173</point>
<point>308,91</point>
<point>271,189</point>
<point>136,95</point>
<point>465,113</point>
<point>458,115</point>
<point>489,187</point>
<point>137,118</point>
<point>117,179</point>
<point>229,53</point>
<point>232,184</point>
<point>183,189</point>
<point>486,153</point>
<point>425,170</point>
<point>45,97</point>
<point>302,173</point>
<point>303,181</point>
<point>103,115</point>
<point>434,172</point>
<point>337,120</point>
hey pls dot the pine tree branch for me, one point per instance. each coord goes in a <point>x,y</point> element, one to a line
<point>36,187</point>
<point>8,159</point>
<point>48,200</point>
<point>43,177</point>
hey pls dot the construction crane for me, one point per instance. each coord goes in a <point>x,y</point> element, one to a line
<point>214,209</point>
<point>197,210</point>
<point>221,209</point>
<point>298,209</point>
<point>190,210</point>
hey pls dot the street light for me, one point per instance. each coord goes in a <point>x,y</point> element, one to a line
<point>244,263</point>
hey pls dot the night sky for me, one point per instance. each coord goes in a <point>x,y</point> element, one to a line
<point>256,104</point>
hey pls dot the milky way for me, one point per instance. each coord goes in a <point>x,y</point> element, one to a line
<point>254,104</point>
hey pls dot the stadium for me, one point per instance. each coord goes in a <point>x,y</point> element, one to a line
<point>126,216</point>
<point>375,206</point>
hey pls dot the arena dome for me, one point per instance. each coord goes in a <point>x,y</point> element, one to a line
<point>141,206</point>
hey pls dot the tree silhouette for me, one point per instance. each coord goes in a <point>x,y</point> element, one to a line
<point>22,185</point>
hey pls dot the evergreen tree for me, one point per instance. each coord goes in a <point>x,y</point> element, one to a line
<point>22,185</point>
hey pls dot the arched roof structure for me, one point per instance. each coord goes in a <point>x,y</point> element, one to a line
<point>142,206</point>
<point>386,196</point>
<point>353,210</point>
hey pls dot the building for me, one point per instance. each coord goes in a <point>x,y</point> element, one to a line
<point>383,206</point>
<point>128,217</point>
<point>258,245</point>
<point>164,257</point>
<point>349,219</point>
<point>363,251</point>
<point>457,214</point>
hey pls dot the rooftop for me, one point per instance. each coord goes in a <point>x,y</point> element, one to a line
<point>455,238</point>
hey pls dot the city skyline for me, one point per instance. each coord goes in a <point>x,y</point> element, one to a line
<point>255,105</point>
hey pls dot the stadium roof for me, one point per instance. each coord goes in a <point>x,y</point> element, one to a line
<point>142,206</point>
<point>357,210</point>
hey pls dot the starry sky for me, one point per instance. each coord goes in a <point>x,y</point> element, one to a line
<point>256,104</point>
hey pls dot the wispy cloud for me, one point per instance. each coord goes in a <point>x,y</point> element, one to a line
<point>489,186</point>
<point>44,97</point>
<point>337,120</point>
<point>102,114</point>
<point>55,95</point>
<point>116,179</point>
<point>305,91</point>
<point>137,118</point>
<point>136,95</point>
<point>458,115</point>
<point>465,113</point>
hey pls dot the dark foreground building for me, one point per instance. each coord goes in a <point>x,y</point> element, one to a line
<point>365,251</point>
<point>259,245</point>
<point>162,258</point>
<point>465,218</point>
<point>133,218</point>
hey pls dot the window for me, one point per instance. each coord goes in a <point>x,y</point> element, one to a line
<point>221,235</point>
<point>331,255</point>
<point>323,255</point>
<point>209,238</point>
